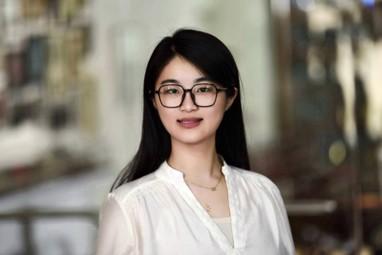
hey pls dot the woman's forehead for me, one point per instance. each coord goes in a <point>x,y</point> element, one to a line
<point>180,70</point>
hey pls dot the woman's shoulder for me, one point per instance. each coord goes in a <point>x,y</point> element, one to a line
<point>135,188</point>
<point>253,178</point>
<point>260,184</point>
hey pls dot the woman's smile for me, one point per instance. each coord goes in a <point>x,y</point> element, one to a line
<point>189,122</point>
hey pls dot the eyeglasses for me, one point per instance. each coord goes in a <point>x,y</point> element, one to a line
<point>202,94</point>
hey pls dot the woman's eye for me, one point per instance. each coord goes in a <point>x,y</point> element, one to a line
<point>171,91</point>
<point>204,89</point>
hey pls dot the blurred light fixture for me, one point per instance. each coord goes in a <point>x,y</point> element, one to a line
<point>337,152</point>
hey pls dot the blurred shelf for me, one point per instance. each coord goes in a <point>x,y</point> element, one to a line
<point>311,207</point>
<point>21,177</point>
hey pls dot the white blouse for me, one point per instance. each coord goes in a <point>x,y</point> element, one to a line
<point>158,214</point>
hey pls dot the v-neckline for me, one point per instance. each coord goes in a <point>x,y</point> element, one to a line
<point>202,213</point>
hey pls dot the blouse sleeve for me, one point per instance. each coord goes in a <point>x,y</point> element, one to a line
<point>115,233</point>
<point>286,246</point>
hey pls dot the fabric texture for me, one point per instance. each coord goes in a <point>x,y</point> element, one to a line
<point>158,214</point>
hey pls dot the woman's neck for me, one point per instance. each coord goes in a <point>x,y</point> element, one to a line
<point>199,163</point>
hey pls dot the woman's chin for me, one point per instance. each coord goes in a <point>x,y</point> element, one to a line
<point>192,140</point>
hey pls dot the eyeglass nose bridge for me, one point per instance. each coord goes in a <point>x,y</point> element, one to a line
<point>184,96</point>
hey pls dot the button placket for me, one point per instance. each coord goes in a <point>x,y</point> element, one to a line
<point>234,206</point>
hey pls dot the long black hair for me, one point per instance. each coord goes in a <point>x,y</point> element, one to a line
<point>213,58</point>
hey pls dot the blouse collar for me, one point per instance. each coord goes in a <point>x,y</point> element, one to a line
<point>176,176</point>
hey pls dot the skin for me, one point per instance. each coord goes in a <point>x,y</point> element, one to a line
<point>193,149</point>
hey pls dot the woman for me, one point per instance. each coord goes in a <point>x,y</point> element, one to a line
<point>186,190</point>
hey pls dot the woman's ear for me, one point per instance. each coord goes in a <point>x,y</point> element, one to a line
<point>154,103</point>
<point>231,99</point>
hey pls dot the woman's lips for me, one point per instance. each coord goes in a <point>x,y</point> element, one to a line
<point>189,122</point>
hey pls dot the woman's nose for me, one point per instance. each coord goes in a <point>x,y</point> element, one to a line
<point>188,103</point>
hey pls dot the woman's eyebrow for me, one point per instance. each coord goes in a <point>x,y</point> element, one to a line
<point>201,79</point>
<point>169,81</point>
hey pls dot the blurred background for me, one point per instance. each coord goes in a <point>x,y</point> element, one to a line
<point>71,75</point>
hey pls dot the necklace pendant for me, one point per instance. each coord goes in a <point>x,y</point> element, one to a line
<point>213,189</point>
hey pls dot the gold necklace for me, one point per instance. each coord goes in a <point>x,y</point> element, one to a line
<point>207,207</point>
<point>205,187</point>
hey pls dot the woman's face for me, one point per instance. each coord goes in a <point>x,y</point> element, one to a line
<point>189,123</point>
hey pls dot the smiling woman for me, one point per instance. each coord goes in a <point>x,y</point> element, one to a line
<point>189,175</point>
